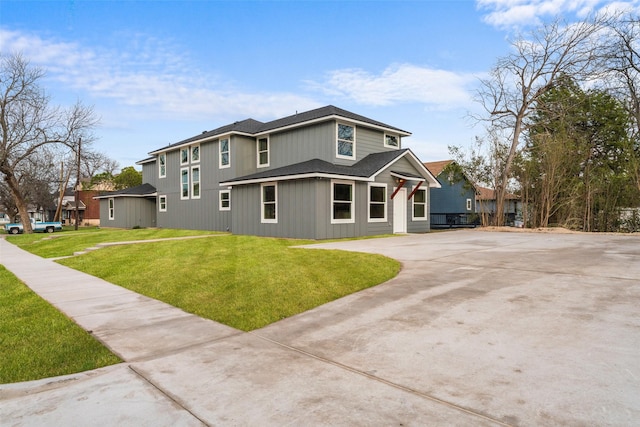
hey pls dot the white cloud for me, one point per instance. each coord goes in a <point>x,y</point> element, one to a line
<point>515,13</point>
<point>148,75</point>
<point>400,83</point>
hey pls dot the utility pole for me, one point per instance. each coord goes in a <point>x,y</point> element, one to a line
<point>77,201</point>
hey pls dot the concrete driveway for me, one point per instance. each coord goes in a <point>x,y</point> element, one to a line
<point>479,328</point>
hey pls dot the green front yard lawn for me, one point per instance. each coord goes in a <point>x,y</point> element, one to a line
<point>65,243</point>
<point>37,341</point>
<point>245,282</point>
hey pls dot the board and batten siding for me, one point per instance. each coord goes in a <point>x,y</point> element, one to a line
<point>301,144</point>
<point>370,141</point>
<point>296,210</point>
<point>452,197</point>
<point>305,209</point>
<point>128,212</point>
<point>404,166</point>
<point>195,214</point>
<point>150,173</point>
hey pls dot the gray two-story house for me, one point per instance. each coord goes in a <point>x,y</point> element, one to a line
<point>324,173</point>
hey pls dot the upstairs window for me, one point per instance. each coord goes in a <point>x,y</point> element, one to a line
<point>195,182</point>
<point>263,152</point>
<point>377,202</point>
<point>184,180</point>
<point>269,203</point>
<point>392,141</point>
<point>346,142</point>
<point>468,204</point>
<point>184,156</point>
<point>224,152</point>
<point>195,154</point>
<point>162,165</point>
<point>342,202</point>
<point>420,205</point>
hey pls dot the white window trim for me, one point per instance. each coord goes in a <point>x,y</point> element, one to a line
<point>374,184</point>
<point>160,208</point>
<point>353,202</point>
<point>192,183</point>
<point>397,147</point>
<point>220,165</point>
<point>264,220</point>
<point>340,156</point>
<point>413,203</point>
<point>258,152</point>
<point>191,153</point>
<point>469,204</point>
<point>182,196</point>
<point>111,206</point>
<point>188,151</point>
<point>162,156</point>
<point>220,207</point>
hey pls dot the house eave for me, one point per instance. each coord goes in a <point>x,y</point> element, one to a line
<point>199,141</point>
<point>428,176</point>
<point>113,196</point>
<point>298,176</point>
<point>332,117</point>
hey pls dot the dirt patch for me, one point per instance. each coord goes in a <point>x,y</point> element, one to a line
<point>558,230</point>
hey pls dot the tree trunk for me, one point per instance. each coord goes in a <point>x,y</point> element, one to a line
<point>14,188</point>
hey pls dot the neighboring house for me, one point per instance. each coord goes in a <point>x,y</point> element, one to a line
<point>88,207</point>
<point>453,205</point>
<point>325,173</point>
<point>486,206</point>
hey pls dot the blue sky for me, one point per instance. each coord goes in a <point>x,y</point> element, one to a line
<point>157,72</point>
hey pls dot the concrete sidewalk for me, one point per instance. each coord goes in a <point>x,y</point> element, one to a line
<point>479,328</point>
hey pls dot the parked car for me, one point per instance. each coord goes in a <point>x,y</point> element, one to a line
<point>49,227</point>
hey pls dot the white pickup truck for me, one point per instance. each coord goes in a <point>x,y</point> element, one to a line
<point>49,227</point>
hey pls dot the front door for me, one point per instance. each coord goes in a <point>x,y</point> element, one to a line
<point>400,211</point>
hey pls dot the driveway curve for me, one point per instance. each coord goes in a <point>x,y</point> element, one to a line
<point>479,328</point>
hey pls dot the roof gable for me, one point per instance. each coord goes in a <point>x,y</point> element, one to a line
<point>436,168</point>
<point>329,111</point>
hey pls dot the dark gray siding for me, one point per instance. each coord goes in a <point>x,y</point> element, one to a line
<point>404,166</point>
<point>196,214</point>
<point>150,173</point>
<point>128,212</point>
<point>301,144</point>
<point>369,141</point>
<point>304,210</point>
<point>296,210</point>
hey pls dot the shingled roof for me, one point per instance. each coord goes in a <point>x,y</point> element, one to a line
<point>255,127</point>
<point>144,190</point>
<point>320,113</point>
<point>365,169</point>
<point>437,167</point>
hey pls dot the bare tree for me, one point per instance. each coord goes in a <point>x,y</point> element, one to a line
<point>518,80</point>
<point>28,124</point>
<point>480,164</point>
<point>96,162</point>
<point>621,60</point>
